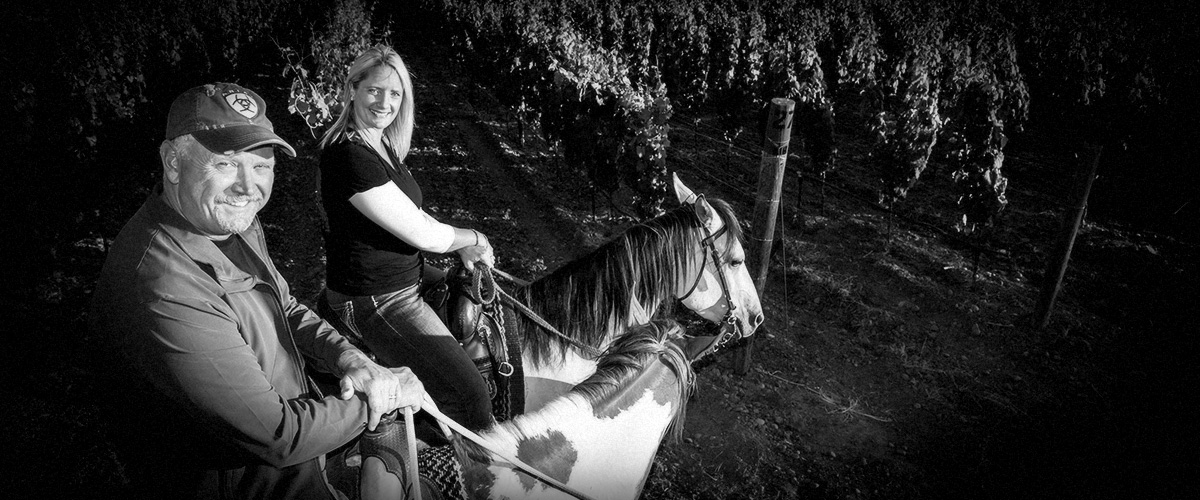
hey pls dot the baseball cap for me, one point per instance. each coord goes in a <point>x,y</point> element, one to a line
<point>224,117</point>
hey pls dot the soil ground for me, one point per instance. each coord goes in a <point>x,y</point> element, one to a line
<point>892,364</point>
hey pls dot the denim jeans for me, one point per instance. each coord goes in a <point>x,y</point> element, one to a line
<point>400,329</point>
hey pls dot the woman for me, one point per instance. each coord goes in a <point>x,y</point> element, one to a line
<point>378,233</point>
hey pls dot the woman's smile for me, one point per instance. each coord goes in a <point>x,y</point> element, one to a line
<point>377,98</point>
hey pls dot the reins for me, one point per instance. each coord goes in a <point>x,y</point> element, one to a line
<point>505,298</point>
<point>509,277</point>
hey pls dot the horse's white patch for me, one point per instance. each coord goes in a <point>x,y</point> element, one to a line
<point>614,454</point>
<point>573,370</point>
<point>550,381</point>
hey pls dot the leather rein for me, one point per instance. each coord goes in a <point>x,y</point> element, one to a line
<point>485,274</point>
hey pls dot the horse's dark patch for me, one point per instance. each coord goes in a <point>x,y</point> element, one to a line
<point>554,455</point>
<point>478,479</point>
<point>664,393</point>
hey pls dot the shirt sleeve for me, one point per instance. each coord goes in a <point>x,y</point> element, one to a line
<point>192,351</point>
<point>389,208</point>
<point>349,169</point>
<point>353,169</point>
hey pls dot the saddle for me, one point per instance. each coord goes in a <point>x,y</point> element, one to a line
<point>467,304</point>
<point>440,475</point>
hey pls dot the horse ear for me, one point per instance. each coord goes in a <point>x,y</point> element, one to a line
<point>684,193</point>
<point>704,211</point>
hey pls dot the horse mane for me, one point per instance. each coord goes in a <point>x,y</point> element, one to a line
<point>588,299</point>
<point>628,357</point>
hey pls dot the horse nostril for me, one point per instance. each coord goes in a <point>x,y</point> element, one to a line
<point>756,320</point>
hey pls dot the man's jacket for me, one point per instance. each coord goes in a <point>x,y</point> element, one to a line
<point>208,365</point>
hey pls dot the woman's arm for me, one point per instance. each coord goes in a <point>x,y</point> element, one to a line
<point>388,206</point>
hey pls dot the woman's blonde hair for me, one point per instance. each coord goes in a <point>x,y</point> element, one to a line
<point>399,133</point>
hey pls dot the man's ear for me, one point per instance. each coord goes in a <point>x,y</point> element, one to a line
<point>171,162</point>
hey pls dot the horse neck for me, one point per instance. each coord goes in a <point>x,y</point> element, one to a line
<point>613,323</point>
<point>656,380</point>
<point>599,439</point>
<point>547,379</point>
<point>594,299</point>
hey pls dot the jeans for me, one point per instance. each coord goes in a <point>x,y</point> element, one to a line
<point>400,329</point>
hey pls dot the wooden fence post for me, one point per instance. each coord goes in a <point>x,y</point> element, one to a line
<point>766,205</point>
<point>1056,266</point>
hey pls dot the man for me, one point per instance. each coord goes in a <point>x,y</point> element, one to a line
<point>209,347</point>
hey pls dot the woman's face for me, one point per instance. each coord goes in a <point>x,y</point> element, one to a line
<point>377,98</point>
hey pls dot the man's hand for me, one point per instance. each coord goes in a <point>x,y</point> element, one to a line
<point>386,389</point>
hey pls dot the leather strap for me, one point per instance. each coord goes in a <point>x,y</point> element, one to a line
<point>507,299</point>
<point>477,439</point>
<point>411,463</point>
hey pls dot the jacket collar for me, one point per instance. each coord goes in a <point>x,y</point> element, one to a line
<point>201,249</point>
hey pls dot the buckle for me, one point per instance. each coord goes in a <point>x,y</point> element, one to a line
<point>505,369</point>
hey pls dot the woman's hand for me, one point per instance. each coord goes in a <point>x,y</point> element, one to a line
<point>479,253</point>
<point>386,389</point>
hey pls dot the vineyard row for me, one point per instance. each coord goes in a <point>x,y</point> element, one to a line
<point>603,78</point>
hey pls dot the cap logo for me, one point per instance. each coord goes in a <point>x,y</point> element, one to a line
<point>242,103</point>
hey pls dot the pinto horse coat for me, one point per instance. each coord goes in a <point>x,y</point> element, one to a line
<point>601,437</point>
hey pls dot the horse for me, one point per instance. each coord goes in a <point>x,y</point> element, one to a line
<point>692,255</point>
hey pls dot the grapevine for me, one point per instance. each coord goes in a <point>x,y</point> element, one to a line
<point>579,89</point>
<point>907,118</point>
<point>315,95</point>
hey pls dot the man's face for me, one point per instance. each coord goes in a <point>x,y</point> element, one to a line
<point>221,194</point>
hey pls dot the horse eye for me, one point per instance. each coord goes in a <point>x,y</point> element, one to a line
<point>737,262</point>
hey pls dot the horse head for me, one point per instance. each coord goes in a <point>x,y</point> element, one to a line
<point>718,286</point>
<point>691,255</point>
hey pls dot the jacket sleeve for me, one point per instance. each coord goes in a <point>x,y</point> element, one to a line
<point>191,350</point>
<point>316,338</point>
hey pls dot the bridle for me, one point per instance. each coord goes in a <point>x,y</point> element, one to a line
<point>729,325</point>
